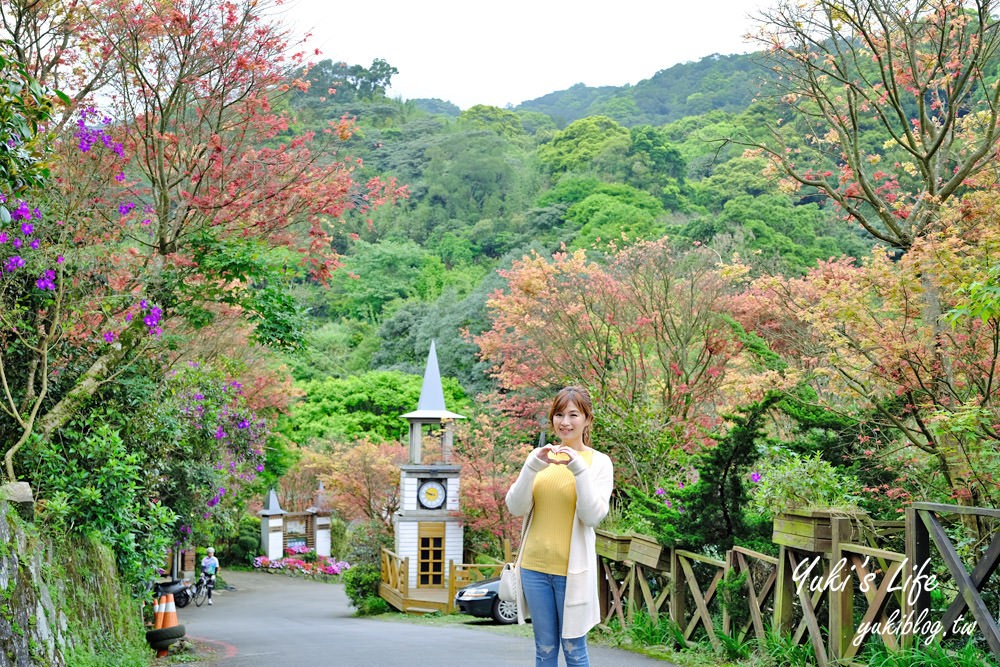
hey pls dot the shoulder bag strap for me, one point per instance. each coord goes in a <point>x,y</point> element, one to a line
<point>524,535</point>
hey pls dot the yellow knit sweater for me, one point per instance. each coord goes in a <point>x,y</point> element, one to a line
<point>546,548</point>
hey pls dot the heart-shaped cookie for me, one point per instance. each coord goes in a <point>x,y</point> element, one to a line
<point>556,457</point>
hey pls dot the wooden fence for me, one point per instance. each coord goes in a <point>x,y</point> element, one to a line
<point>836,583</point>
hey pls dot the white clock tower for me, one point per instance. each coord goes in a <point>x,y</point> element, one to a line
<point>428,526</point>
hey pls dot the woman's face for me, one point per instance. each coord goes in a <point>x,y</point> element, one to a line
<point>569,424</point>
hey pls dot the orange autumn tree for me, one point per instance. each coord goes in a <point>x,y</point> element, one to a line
<point>300,484</point>
<point>890,110</point>
<point>861,337</point>
<point>491,455</point>
<point>363,482</point>
<point>642,331</point>
<point>886,108</point>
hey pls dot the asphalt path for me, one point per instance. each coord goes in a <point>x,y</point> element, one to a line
<point>275,620</point>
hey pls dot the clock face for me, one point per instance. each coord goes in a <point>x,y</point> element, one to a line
<point>431,494</point>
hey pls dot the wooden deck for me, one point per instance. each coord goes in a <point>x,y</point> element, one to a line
<point>395,589</point>
<point>419,601</point>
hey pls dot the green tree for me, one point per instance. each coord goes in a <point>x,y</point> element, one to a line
<point>449,322</point>
<point>504,122</point>
<point>348,82</point>
<point>591,144</point>
<point>368,405</point>
<point>774,234</point>
<point>377,275</point>
<point>603,218</point>
<point>655,166</point>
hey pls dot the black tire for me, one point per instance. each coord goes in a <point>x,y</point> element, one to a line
<point>504,612</point>
<point>182,598</point>
<point>171,634</point>
<point>164,645</point>
<point>200,593</point>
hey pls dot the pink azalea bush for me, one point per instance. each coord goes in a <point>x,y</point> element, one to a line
<point>300,560</point>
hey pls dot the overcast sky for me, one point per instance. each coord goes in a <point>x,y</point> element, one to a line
<point>507,52</point>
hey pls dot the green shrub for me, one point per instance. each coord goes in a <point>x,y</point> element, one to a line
<point>361,582</point>
<point>663,631</point>
<point>732,590</point>
<point>365,542</point>
<point>789,481</point>
<point>338,537</point>
<point>933,655</point>
<point>732,647</point>
<point>109,656</point>
<point>373,605</point>
<point>782,650</point>
<point>247,540</point>
<point>92,483</point>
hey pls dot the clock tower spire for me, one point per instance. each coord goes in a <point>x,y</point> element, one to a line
<point>428,527</point>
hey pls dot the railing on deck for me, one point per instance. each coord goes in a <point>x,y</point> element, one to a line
<point>394,587</point>
<point>463,574</point>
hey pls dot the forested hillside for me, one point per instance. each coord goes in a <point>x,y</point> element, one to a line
<point>577,168</point>
<point>714,83</point>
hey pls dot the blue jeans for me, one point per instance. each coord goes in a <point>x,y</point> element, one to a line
<point>545,594</point>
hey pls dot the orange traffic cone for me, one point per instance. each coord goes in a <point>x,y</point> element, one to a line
<point>167,630</point>
<point>169,612</point>
<point>158,612</point>
<point>169,619</point>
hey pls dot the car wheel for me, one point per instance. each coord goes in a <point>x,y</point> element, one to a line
<point>504,612</point>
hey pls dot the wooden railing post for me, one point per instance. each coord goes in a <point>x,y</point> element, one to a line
<point>632,598</point>
<point>730,566</point>
<point>452,589</point>
<point>784,593</point>
<point>918,551</point>
<point>842,594</point>
<point>603,594</point>
<point>677,591</point>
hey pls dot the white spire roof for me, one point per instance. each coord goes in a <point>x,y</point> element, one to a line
<point>431,404</point>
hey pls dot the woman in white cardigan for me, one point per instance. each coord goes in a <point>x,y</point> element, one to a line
<point>563,491</point>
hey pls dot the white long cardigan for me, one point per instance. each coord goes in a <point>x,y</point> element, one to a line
<point>594,483</point>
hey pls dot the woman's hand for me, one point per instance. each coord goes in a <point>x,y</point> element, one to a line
<point>561,455</point>
<point>538,459</point>
<point>564,455</point>
<point>557,454</point>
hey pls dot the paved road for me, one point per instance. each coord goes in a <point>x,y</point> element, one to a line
<point>275,620</point>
